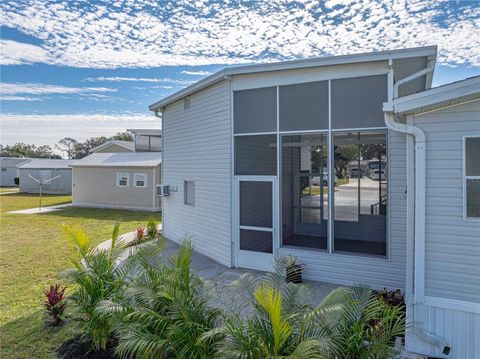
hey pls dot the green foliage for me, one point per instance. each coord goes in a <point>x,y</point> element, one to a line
<point>97,277</point>
<point>30,151</point>
<point>358,325</point>
<point>163,311</point>
<point>152,229</point>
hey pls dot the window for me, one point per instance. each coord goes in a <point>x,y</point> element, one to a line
<point>471,170</point>
<point>256,155</point>
<point>360,196</point>
<point>255,110</point>
<point>123,179</point>
<point>189,192</point>
<point>140,179</point>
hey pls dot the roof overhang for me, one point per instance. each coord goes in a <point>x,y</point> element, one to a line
<point>429,52</point>
<point>145,131</point>
<point>438,97</point>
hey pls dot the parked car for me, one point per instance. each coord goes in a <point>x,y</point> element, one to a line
<point>378,174</point>
<point>315,181</point>
<point>356,173</point>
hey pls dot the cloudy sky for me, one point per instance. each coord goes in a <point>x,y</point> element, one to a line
<point>89,68</point>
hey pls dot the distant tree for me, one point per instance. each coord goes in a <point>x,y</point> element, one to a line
<point>343,155</point>
<point>123,136</point>
<point>67,145</point>
<point>23,150</point>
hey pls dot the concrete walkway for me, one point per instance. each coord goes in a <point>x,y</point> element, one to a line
<point>45,209</point>
<point>219,278</point>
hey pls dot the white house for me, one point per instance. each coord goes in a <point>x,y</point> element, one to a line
<point>9,170</point>
<point>259,160</point>
<point>56,176</point>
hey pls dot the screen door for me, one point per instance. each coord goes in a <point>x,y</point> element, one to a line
<point>256,229</point>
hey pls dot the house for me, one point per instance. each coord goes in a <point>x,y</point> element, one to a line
<point>55,175</point>
<point>114,146</point>
<point>443,260</point>
<point>243,149</point>
<point>9,170</point>
<point>117,180</point>
<point>147,140</point>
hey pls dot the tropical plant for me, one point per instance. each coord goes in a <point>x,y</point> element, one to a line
<point>358,325</point>
<point>152,229</point>
<point>139,236</point>
<point>97,277</point>
<point>164,310</point>
<point>54,304</point>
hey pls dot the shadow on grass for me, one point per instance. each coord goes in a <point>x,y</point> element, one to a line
<point>27,337</point>
<point>104,214</point>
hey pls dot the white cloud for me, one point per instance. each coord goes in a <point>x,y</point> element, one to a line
<point>43,89</point>
<point>50,128</point>
<point>196,73</point>
<point>18,53</point>
<point>20,98</point>
<point>139,79</point>
<point>148,34</point>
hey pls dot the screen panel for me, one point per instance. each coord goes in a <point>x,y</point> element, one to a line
<point>256,204</point>
<point>256,155</point>
<point>255,110</point>
<point>303,106</point>
<point>358,102</point>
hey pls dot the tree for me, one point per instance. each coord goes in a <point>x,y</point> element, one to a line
<point>122,136</point>
<point>67,145</point>
<point>20,149</point>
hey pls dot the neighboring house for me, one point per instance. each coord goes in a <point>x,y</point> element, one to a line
<point>117,180</point>
<point>114,146</point>
<point>240,149</point>
<point>9,170</point>
<point>147,140</point>
<point>45,170</point>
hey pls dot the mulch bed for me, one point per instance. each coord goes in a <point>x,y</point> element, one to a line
<point>78,348</point>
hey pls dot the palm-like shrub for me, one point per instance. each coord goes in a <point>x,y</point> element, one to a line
<point>358,325</point>
<point>97,277</point>
<point>163,311</point>
<point>276,326</point>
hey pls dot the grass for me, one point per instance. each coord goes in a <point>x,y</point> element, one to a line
<point>316,189</point>
<point>33,252</point>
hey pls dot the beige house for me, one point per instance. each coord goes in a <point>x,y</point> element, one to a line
<point>117,180</point>
<point>114,146</point>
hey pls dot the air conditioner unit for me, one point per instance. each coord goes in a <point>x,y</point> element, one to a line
<point>163,190</point>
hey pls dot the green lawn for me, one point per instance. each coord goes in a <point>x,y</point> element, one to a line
<point>33,251</point>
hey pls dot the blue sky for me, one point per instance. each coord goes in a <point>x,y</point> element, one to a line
<point>83,69</point>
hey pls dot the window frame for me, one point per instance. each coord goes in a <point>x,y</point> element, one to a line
<point>145,180</point>
<point>465,178</point>
<point>122,174</point>
<point>185,195</point>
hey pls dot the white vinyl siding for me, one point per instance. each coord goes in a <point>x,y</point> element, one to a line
<point>60,185</point>
<point>196,146</point>
<point>97,187</point>
<point>452,245</point>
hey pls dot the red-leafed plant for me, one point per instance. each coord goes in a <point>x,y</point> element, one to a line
<point>139,235</point>
<point>54,304</point>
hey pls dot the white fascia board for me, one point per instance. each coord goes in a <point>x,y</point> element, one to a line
<point>145,131</point>
<point>445,95</point>
<point>429,51</point>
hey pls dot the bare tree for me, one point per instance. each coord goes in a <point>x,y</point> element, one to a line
<point>67,145</point>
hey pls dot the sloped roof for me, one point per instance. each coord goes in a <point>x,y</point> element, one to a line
<point>399,54</point>
<point>43,163</point>
<point>12,161</point>
<point>124,159</point>
<point>438,97</point>
<point>129,145</point>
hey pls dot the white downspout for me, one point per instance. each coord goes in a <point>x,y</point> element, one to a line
<point>419,185</point>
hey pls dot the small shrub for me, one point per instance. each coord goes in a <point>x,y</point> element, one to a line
<point>139,236</point>
<point>152,232</point>
<point>391,297</point>
<point>54,304</point>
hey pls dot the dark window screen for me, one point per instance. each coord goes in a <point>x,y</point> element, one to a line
<point>256,155</point>
<point>358,102</point>
<point>255,110</point>
<point>304,106</point>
